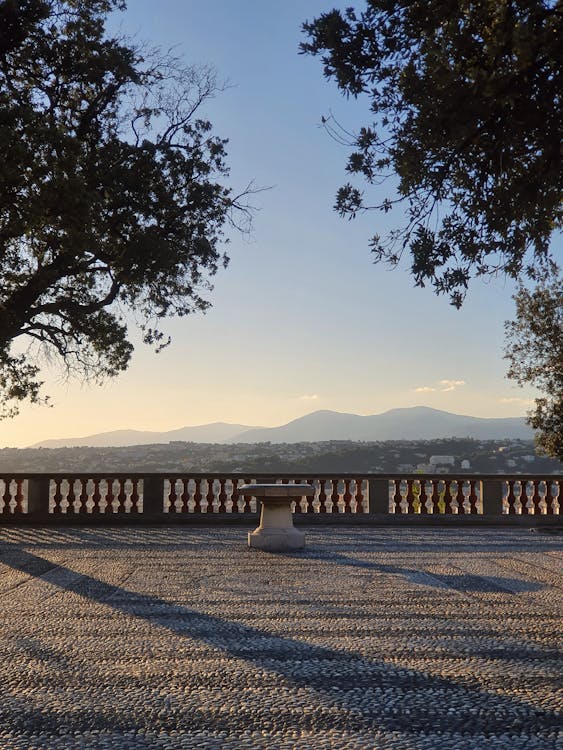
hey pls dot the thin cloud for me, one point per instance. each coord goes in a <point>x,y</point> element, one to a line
<point>445,386</point>
<point>450,385</point>
<point>309,397</point>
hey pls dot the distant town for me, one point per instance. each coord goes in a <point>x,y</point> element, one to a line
<point>405,456</point>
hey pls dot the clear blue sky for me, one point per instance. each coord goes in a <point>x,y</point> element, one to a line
<point>302,319</point>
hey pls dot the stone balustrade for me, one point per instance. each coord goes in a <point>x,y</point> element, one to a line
<point>340,498</point>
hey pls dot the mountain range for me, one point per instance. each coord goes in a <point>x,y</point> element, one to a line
<point>414,423</point>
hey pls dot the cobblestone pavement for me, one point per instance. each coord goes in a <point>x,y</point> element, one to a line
<point>169,638</point>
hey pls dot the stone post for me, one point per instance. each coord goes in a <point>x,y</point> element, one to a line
<point>153,495</point>
<point>378,494</point>
<point>38,495</point>
<point>491,494</point>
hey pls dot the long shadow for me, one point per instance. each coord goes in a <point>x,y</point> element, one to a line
<point>388,539</point>
<point>464,582</point>
<point>398,699</point>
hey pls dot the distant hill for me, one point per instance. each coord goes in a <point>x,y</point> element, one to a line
<point>415,423</point>
<point>218,432</point>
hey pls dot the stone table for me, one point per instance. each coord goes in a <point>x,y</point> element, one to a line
<point>276,532</point>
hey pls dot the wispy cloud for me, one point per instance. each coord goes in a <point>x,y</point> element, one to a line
<point>309,397</point>
<point>444,386</point>
<point>450,385</point>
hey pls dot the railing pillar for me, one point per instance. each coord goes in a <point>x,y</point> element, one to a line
<point>491,494</point>
<point>153,495</point>
<point>378,493</point>
<point>38,495</point>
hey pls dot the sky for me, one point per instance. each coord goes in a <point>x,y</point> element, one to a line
<point>302,319</point>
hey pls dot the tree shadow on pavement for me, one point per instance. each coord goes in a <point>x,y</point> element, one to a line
<point>354,693</point>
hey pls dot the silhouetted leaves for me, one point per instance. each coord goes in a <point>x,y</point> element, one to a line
<point>466,100</point>
<point>111,192</point>
<point>534,349</point>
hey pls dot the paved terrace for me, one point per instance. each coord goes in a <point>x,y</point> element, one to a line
<point>370,638</point>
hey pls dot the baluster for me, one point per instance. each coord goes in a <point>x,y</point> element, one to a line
<point>472,496</point>
<point>197,495</point>
<point>423,510</point>
<point>360,496</point>
<point>334,496</point>
<point>322,497</point>
<point>72,496</point>
<point>347,497</point>
<point>435,496</point>
<point>520,492</point>
<point>234,495</point>
<point>397,498</point>
<point>172,496</point>
<point>191,489</point>
<point>297,505</point>
<point>536,499</point>
<point>121,496</point>
<point>524,498</point>
<point>110,495</point>
<point>185,495</point>
<point>461,496</point>
<point>448,497</point>
<point>246,499</point>
<point>210,495</point>
<point>58,496</point>
<point>113,498</point>
<point>7,499</point>
<point>309,507</point>
<point>96,497</point>
<point>302,500</point>
<point>82,495</point>
<point>18,496</point>
<point>511,497</point>
<point>553,490</point>
<point>4,483</point>
<point>222,497</point>
<point>8,495</point>
<point>410,498</point>
<point>135,496</point>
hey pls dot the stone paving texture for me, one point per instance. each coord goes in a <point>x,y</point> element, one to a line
<point>402,639</point>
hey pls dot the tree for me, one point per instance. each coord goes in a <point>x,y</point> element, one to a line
<point>534,349</point>
<point>111,192</point>
<point>466,104</point>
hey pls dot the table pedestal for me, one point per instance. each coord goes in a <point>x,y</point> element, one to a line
<point>276,531</point>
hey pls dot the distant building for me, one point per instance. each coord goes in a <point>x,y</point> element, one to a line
<point>442,460</point>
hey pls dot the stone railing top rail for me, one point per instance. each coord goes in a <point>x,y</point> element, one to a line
<point>277,490</point>
<point>267,477</point>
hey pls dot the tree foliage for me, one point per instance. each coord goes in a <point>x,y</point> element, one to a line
<point>466,104</point>
<point>112,194</point>
<point>534,349</point>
